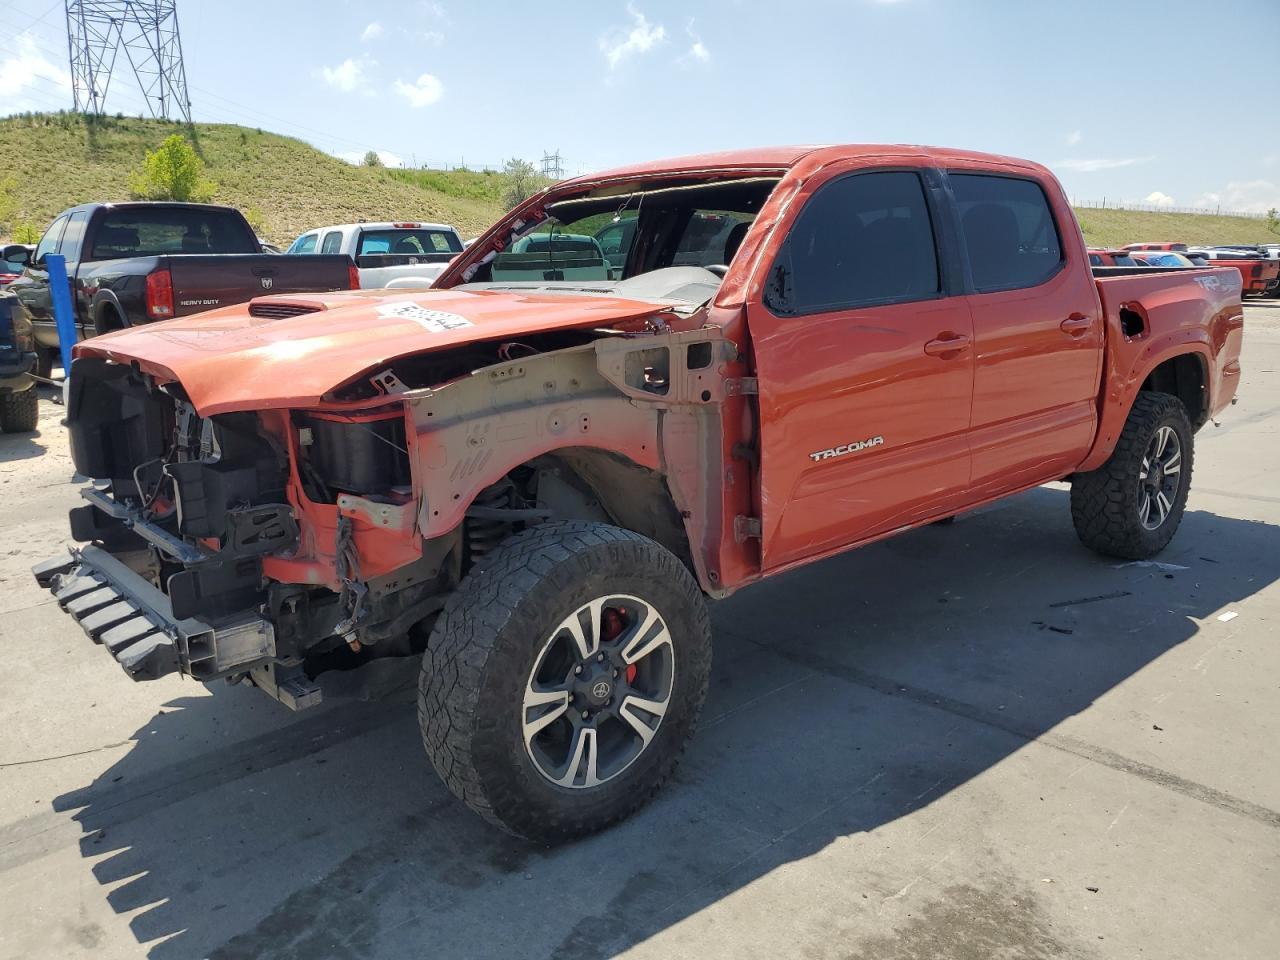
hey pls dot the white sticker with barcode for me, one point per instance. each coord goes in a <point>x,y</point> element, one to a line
<point>437,321</point>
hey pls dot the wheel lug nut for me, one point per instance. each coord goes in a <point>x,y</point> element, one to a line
<point>586,714</point>
<point>577,670</point>
<point>601,658</point>
<point>615,672</point>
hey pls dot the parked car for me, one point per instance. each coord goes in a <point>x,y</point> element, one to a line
<point>406,253</point>
<point>1258,274</point>
<point>1162,245</point>
<point>1100,257</point>
<point>546,478</point>
<point>552,257</point>
<point>1166,258</point>
<point>19,402</point>
<point>11,269</point>
<point>709,240</point>
<point>134,263</point>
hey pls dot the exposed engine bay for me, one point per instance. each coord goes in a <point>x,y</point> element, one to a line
<point>273,546</point>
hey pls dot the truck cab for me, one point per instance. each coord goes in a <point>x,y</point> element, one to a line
<point>401,254</point>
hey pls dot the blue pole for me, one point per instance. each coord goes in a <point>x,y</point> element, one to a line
<point>63,316</point>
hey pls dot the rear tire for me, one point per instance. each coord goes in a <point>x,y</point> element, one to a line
<point>44,362</point>
<point>1131,506</point>
<point>19,412</point>
<point>510,686</point>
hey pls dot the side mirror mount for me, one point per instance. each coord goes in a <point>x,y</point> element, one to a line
<point>777,287</point>
<point>16,252</point>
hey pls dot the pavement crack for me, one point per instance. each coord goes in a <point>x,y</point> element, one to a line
<point>65,756</point>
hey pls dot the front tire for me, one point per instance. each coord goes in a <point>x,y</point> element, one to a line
<point>564,678</point>
<point>1131,506</point>
<point>20,412</point>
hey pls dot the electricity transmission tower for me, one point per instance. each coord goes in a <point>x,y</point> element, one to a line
<point>146,31</point>
<point>553,166</point>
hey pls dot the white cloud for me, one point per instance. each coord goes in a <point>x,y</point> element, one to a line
<point>433,37</point>
<point>1244,196</point>
<point>619,43</point>
<point>356,157</point>
<point>1092,166</point>
<point>423,92</point>
<point>347,76</point>
<point>1158,199</point>
<point>697,49</point>
<point>31,82</point>
<point>372,32</point>
<point>1073,138</point>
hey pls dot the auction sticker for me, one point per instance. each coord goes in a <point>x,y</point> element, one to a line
<point>437,321</point>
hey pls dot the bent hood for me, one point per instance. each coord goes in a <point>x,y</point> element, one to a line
<point>267,354</point>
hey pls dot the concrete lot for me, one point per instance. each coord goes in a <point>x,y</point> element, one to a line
<point>920,749</point>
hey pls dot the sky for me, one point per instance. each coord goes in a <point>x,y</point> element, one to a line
<point>1175,104</point>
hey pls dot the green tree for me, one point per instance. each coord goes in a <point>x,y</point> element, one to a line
<point>519,182</point>
<point>1273,220</point>
<point>173,172</point>
<point>371,159</point>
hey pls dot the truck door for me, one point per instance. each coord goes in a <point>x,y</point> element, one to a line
<point>1037,332</point>
<point>865,366</point>
<point>32,288</point>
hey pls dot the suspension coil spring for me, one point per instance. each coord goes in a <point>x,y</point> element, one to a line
<point>485,533</point>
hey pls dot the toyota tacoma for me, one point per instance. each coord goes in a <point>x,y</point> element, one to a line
<point>535,474</point>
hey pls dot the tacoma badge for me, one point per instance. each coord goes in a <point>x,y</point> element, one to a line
<point>844,448</point>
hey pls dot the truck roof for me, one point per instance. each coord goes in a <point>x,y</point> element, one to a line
<point>146,204</point>
<point>783,158</point>
<point>385,225</point>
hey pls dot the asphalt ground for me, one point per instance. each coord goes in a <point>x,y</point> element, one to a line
<point>972,741</point>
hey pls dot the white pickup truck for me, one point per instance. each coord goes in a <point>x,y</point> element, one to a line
<point>387,254</point>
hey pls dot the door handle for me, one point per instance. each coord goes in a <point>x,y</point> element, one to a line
<point>1076,324</point>
<point>947,345</point>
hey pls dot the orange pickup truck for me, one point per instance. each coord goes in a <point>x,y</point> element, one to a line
<point>532,476</point>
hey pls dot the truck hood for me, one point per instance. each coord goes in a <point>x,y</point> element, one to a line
<point>290,351</point>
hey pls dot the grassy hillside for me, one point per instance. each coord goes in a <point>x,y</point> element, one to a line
<point>1111,228</point>
<point>61,160</point>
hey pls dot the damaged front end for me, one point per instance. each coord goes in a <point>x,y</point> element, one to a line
<point>231,546</point>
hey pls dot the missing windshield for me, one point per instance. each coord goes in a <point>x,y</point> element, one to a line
<point>593,240</point>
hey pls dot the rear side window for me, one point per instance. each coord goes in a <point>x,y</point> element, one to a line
<point>332,242</point>
<point>305,243</point>
<point>70,244</point>
<point>1008,230</point>
<point>866,238</point>
<point>151,231</point>
<point>407,242</point>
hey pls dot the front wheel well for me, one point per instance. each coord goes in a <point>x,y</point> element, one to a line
<point>582,484</point>
<point>1184,377</point>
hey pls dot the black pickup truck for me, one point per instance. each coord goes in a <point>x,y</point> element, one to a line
<point>133,263</point>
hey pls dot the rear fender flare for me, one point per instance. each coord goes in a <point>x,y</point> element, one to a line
<point>1124,374</point>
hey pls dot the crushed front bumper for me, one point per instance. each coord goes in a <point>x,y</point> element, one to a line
<point>134,621</point>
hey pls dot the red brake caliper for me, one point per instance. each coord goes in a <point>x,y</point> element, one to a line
<point>613,625</point>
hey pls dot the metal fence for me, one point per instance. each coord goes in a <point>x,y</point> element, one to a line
<point>1105,204</point>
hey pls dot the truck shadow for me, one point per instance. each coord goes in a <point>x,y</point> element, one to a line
<point>845,696</point>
